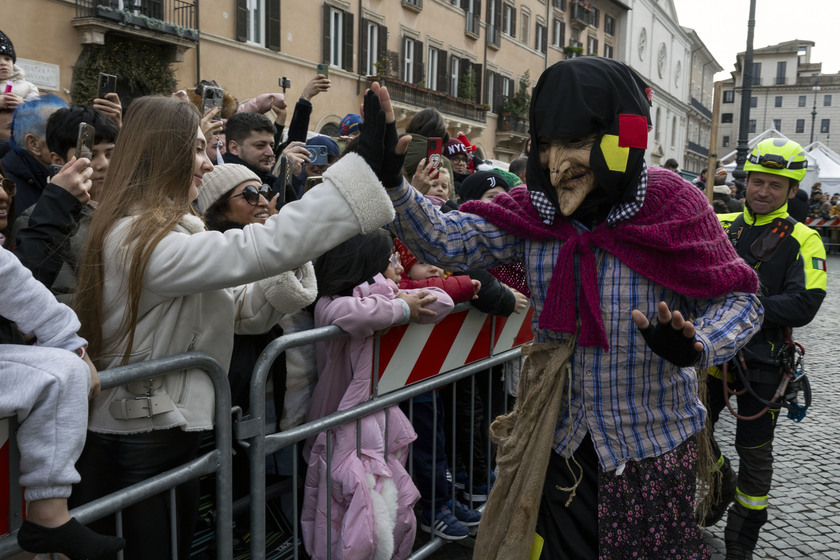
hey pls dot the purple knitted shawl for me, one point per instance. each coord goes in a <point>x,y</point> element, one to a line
<point>675,240</point>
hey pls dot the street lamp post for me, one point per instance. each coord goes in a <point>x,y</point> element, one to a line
<point>816,90</point>
<point>743,148</point>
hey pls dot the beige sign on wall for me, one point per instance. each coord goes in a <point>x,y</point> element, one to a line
<point>42,74</point>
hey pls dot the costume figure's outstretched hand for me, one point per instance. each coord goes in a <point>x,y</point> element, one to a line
<point>672,338</point>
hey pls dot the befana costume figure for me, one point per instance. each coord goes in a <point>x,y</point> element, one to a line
<point>633,284</point>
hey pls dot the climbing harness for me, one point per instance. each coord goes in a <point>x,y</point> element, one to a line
<point>791,361</point>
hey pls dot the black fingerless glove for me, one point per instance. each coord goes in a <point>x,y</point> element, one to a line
<point>392,164</point>
<point>671,344</point>
<point>372,136</point>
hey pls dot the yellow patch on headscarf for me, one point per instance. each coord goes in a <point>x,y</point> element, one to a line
<point>614,155</point>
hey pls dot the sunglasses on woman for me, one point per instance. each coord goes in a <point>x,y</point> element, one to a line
<point>252,195</point>
<point>9,186</point>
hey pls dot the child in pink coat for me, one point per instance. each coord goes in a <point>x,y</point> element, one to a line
<point>371,494</point>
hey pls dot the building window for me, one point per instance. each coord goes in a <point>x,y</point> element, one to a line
<point>726,117</point>
<point>827,101</point>
<point>752,126</point>
<point>756,73</point>
<point>778,101</point>
<point>657,125</point>
<point>673,131</point>
<point>525,26</point>
<point>781,69</point>
<point>753,101</point>
<point>540,42</point>
<point>729,96</point>
<point>595,17</point>
<point>432,68</point>
<point>559,4</point>
<point>824,126</point>
<point>592,45</point>
<point>558,36</point>
<point>777,124</point>
<point>800,126</point>
<point>408,59</point>
<point>608,51</point>
<point>373,47</point>
<point>256,29</point>
<point>257,21</point>
<point>507,87</point>
<point>338,38</point>
<point>802,101</point>
<point>726,141</point>
<point>609,24</point>
<point>509,20</point>
<point>454,74</point>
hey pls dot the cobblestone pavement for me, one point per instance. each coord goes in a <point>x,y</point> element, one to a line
<point>804,511</point>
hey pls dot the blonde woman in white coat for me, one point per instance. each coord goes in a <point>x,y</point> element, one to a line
<point>154,282</point>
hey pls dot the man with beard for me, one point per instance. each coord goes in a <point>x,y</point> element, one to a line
<point>602,434</point>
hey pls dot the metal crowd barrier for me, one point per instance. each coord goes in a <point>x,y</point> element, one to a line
<point>251,433</point>
<point>216,461</point>
<point>251,429</point>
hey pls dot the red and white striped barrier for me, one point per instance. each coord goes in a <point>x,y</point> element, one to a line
<point>822,222</point>
<point>412,352</point>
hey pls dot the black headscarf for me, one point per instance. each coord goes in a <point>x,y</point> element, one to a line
<point>582,96</point>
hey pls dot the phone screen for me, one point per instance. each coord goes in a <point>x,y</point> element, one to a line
<point>212,97</point>
<point>84,142</point>
<point>433,154</point>
<point>107,84</point>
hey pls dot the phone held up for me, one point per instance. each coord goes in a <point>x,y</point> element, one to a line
<point>211,97</point>
<point>324,69</point>
<point>434,151</point>
<point>84,142</point>
<point>317,154</point>
<point>311,182</point>
<point>107,84</point>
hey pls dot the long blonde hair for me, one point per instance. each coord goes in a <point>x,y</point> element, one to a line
<point>149,177</point>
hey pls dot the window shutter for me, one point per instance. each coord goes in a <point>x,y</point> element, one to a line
<point>477,8</point>
<point>363,48</point>
<point>272,24</point>
<point>488,91</point>
<point>382,45</point>
<point>443,75</point>
<point>513,22</point>
<point>347,58</point>
<point>326,58</point>
<point>419,69</point>
<point>242,20</point>
<point>478,82</point>
<point>497,92</point>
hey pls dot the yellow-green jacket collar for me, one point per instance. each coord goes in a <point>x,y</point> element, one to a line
<point>761,219</point>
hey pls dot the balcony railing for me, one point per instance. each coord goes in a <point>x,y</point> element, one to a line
<point>473,23</point>
<point>781,80</point>
<point>698,149</point>
<point>175,17</point>
<point>701,108</point>
<point>494,36</point>
<point>581,14</point>
<point>411,94</point>
<point>512,123</point>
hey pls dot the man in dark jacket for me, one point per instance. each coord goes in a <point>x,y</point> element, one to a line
<point>250,142</point>
<point>27,162</point>
<point>790,260</point>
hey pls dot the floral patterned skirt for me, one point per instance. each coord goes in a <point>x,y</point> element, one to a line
<point>647,512</point>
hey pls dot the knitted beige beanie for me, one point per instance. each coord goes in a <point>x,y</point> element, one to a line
<point>219,181</point>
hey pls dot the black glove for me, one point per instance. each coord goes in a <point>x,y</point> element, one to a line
<point>392,164</point>
<point>671,344</point>
<point>372,136</point>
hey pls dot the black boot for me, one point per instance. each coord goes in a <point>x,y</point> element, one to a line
<point>738,551</point>
<point>723,492</point>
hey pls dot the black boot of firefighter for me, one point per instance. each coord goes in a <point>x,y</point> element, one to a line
<point>738,551</point>
<point>722,493</point>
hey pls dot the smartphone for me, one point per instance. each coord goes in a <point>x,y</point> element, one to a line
<point>212,96</point>
<point>284,83</point>
<point>84,143</point>
<point>311,182</point>
<point>324,69</point>
<point>55,169</point>
<point>434,151</point>
<point>107,84</point>
<point>317,155</point>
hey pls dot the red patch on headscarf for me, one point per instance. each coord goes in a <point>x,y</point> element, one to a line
<point>632,131</point>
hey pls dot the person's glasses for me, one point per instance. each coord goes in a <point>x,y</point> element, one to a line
<point>252,195</point>
<point>396,261</point>
<point>9,186</point>
<point>460,159</point>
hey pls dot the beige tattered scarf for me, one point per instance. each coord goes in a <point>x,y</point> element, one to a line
<point>524,438</point>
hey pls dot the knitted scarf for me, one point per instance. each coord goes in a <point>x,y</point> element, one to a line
<point>675,240</point>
